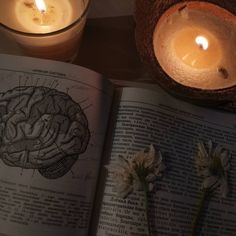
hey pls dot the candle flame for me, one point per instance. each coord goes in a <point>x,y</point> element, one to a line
<point>41,5</point>
<point>202,42</point>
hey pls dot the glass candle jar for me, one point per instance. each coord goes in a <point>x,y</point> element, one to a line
<point>49,29</point>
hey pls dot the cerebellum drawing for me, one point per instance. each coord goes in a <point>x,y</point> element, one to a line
<point>41,128</point>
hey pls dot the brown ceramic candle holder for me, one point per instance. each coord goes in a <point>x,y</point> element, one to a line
<point>188,47</point>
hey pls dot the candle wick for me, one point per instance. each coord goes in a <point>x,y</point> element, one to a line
<point>202,42</point>
<point>201,46</point>
<point>224,73</point>
<point>182,8</point>
<point>43,12</point>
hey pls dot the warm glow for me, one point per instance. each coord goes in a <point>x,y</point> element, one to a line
<point>194,44</point>
<point>197,47</point>
<point>43,16</point>
<point>202,42</point>
<point>41,5</point>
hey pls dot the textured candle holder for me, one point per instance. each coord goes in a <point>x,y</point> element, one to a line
<point>147,15</point>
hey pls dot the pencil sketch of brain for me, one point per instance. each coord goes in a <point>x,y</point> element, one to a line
<point>41,128</point>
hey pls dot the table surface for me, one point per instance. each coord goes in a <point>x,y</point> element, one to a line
<point>108,47</point>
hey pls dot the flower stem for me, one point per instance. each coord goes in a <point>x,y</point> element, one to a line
<point>195,222</point>
<point>145,187</point>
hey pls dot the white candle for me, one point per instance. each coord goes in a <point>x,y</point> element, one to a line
<point>43,16</point>
<point>45,28</point>
<point>195,45</point>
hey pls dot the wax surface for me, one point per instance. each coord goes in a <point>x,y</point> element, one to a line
<point>58,14</point>
<point>175,37</point>
<point>197,48</point>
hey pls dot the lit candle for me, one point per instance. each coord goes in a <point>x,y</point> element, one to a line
<point>45,28</point>
<point>41,16</point>
<point>197,48</point>
<point>195,45</point>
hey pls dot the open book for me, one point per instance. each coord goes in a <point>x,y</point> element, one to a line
<point>61,123</point>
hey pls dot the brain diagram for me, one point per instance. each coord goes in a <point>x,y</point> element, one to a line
<point>41,128</point>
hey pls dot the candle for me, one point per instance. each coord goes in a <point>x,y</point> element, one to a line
<point>45,28</point>
<point>197,48</point>
<point>41,16</point>
<point>195,45</point>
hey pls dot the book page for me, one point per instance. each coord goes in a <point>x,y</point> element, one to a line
<point>174,127</point>
<point>53,120</point>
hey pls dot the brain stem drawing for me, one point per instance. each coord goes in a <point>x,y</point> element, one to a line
<point>41,128</point>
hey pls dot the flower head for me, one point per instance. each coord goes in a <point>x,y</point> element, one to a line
<point>122,175</point>
<point>213,163</point>
<point>133,173</point>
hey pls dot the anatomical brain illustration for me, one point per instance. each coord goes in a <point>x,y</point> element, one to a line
<point>41,128</point>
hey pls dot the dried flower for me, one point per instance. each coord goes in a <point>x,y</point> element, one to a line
<point>148,166</point>
<point>137,173</point>
<point>212,164</point>
<point>134,173</point>
<point>122,175</point>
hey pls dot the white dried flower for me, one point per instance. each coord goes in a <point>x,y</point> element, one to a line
<point>133,173</point>
<point>122,175</point>
<point>213,163</point>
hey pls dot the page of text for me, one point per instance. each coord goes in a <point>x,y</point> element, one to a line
<point>174,127</point>
<point>53,120</point>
